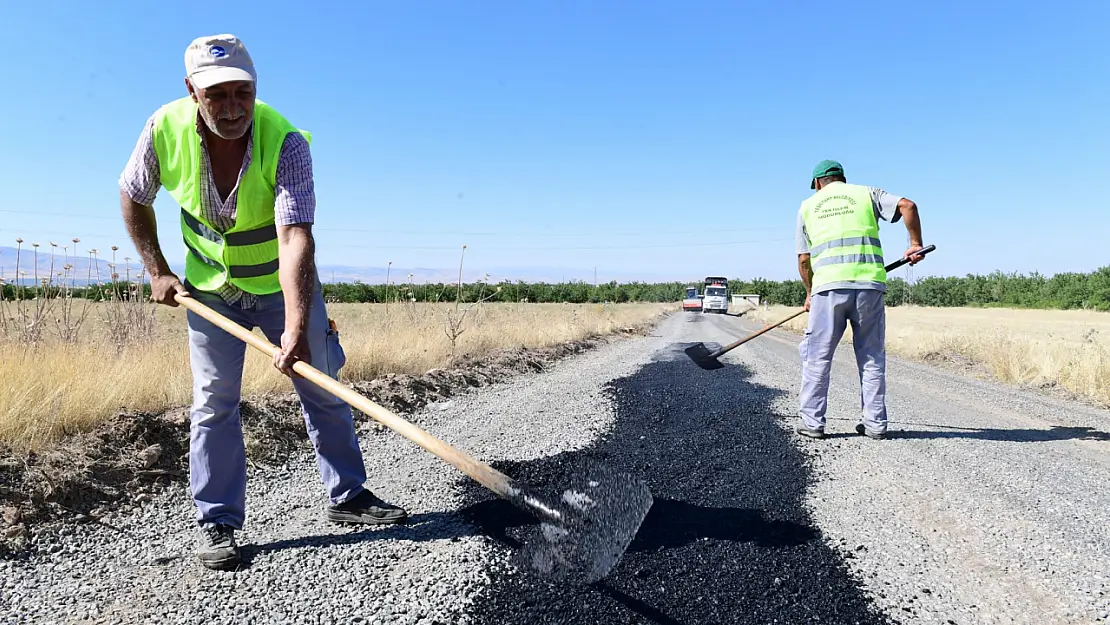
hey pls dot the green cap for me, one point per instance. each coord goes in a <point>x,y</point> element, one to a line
<point>825,168</point>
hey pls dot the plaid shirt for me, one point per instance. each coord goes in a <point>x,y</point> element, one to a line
<point>294,193</point>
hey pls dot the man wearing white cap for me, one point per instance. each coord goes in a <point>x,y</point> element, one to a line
<point>242,175</point>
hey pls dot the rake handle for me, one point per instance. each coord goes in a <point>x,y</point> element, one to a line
<point>767,328</point>
<point>902,261</point>
<point>486,475</point>
<point>892,266</point>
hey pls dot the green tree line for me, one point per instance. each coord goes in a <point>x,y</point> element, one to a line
<point>1060,291</point>
<point>537,292</point>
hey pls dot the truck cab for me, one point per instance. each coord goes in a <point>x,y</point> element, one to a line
<point>715,297</point>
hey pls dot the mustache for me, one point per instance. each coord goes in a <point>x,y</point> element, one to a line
<point>230,116</point>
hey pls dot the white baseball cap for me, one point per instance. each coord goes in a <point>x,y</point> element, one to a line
<point>214,59</point>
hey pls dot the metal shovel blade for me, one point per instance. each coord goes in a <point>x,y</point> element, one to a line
<point>597,518</point>
<point>702,357</point>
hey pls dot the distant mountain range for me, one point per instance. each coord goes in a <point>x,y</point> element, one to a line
<point>83,270</point>
<point>50,259</point>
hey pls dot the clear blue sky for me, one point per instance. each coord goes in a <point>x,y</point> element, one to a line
<point>662,138</point>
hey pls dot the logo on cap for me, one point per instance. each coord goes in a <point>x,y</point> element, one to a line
<point>217,51</point>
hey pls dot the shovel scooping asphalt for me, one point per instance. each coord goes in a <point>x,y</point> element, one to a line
<point>583,534</point>
<point>706,359</point>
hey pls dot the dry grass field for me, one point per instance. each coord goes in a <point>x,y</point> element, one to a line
<point>1069,349</point>
<point>52,386</point>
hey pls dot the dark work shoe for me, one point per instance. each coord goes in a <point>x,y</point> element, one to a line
<point>804,431</point>
<point>368,509</point>
<point>217,547</point>
<point>861,429</point>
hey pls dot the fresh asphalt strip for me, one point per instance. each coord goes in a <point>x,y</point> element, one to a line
<point>727,540</point>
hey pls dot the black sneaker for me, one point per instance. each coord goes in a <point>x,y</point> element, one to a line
<point>804,431</point>
<point>861,429</point>
<point>217,547</point>
<point>366,508</point>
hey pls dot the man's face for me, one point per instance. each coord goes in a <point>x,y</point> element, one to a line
<point>226,108</point>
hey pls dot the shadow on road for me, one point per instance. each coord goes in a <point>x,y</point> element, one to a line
<point>637,606</point>
<point>669,524</point>
<point>1010,435</point>
<point>1020,435</point>
<point>420,527</point>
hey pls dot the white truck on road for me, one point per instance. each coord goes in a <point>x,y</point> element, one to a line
<point>715,295</point>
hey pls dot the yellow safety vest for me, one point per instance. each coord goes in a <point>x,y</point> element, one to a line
<point>844,235</point>
<point>246,255</point>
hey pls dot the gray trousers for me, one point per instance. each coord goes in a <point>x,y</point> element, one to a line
<point>217,460</point>
<point>829,313</point>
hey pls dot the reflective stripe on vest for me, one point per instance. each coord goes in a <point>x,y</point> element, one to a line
<point>249,237</point>
<point>844,241</point>
<point>245,255</point>
<point>844,235</point>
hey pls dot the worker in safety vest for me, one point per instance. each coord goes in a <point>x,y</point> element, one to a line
<point>242,174</point>
<point>840,260</point>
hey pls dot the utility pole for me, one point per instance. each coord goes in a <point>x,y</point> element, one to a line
<point>595,276</point>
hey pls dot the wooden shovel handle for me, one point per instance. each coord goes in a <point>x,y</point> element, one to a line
<point>486,475</point>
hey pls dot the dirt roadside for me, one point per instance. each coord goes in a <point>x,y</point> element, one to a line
<point>122,462</point>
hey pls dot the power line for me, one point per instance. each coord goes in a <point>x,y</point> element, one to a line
<point>549,234</point>
<point>7,210</point>
<point>563,249</point>
<point>607,233</point>
<point>447,248</point>
<point>69,235</point>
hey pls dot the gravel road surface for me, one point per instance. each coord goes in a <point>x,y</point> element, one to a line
<point>986,506</point>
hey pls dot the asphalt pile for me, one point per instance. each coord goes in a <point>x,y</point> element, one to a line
<point>727,539</point>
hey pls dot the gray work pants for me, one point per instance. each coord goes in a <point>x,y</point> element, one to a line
<point>829,313</point>
<point>217,458</point>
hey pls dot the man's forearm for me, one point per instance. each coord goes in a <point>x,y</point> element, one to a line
<point>297,273</point>
<point>805,270</point>
<point>142,227</point>
<point>913,223</point>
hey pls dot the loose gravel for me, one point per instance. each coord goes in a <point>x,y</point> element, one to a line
<point>987,506</point>
<point>139,567</point>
